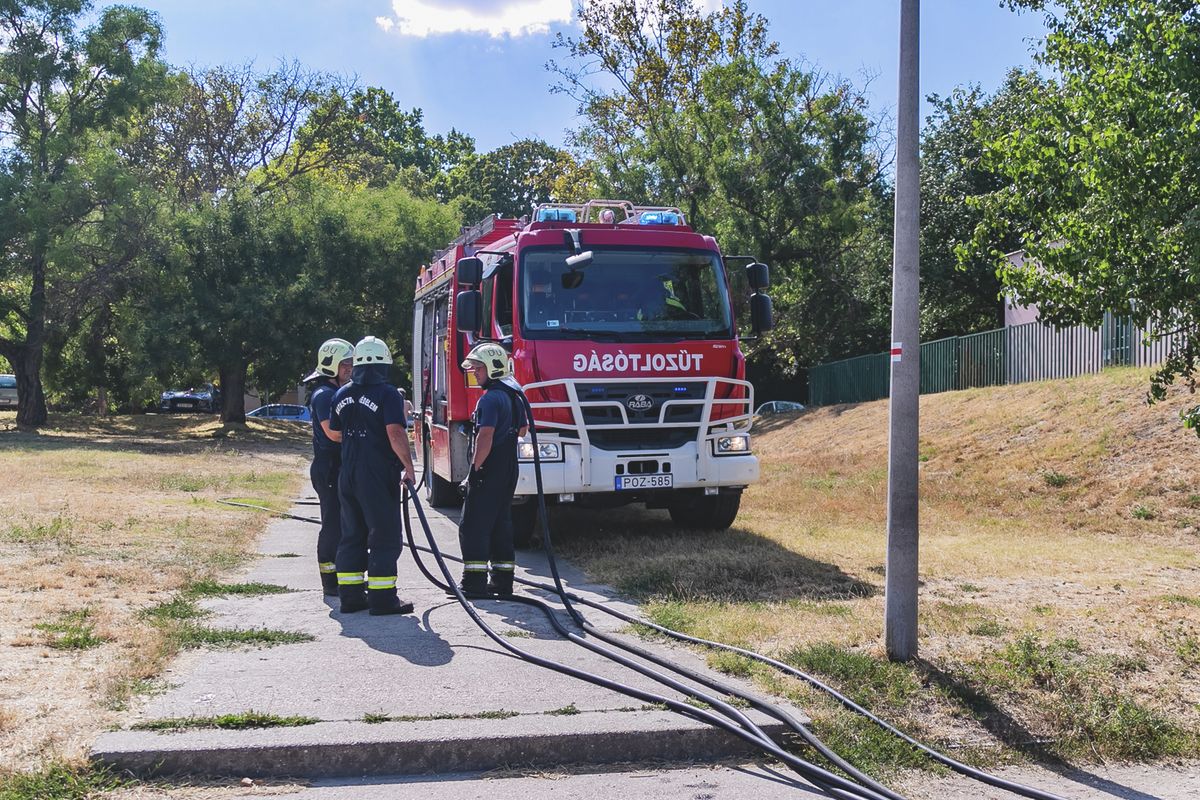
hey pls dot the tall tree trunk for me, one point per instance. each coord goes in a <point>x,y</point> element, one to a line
<point>31,400</point>
<point>233,393</point>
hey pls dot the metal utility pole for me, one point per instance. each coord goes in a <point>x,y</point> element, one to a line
<point>900,623</point>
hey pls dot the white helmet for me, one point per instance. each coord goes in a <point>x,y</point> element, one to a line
<point>371,351</point>
<point>492,356</point>
<point>329,356</point>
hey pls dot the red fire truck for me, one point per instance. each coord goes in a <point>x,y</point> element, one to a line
<point>622,334</point>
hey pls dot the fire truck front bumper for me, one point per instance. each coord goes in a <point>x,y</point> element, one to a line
<point>692,466</point>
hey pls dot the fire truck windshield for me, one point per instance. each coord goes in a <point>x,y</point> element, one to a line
<point>625,294</point>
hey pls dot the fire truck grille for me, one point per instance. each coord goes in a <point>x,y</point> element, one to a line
<point>642,403</point>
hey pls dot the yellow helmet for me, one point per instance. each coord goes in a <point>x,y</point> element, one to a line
<point>492,356</point>
<point>371,351</point>
<point>329,355</point>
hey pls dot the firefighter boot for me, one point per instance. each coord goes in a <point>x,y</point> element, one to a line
<point>385,601</point>
<point>354,598</point>
<point>474,584</point>
<point>501,583</point>
<point>329,584</point>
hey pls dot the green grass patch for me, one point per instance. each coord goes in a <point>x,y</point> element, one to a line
<point>731,663</point>
<point>1182,600</point>
<point>565,711</point>
<point>870,681</point>
<point>989,627</point>
<point>969,588</point>
<point>865,745</point>
<point>188,636</point>
<point>74,630</point>
<point>1083,709</point>
<point>670,614</point>
<point>287,555</point>
<point>175,609</point>
<point>376,718</point>
<point>1055,479</point>
<point>211,588</point>
<point>518,634</point>
<point>59,531</point>
<point>240,721</point>
<point>188,482</point>
<point>1142,512</point>
<point>59,782</point>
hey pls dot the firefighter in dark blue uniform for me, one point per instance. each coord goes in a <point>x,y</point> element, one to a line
<point>334,361</point>
<point>370,415</point>
<point>485,531</point>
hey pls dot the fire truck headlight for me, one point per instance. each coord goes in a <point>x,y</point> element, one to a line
<point>733,445</point>
<point>547,451</point>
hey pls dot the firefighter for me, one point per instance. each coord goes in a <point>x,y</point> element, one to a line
<point>334,362</point>
<point>375,460</point>
<point>485,531</point>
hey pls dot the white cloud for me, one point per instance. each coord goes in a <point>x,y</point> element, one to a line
<point>424,18</point>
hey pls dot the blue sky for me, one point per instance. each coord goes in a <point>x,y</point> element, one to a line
<point>478,65</point>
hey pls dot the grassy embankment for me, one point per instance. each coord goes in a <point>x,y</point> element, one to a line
<point>1059,607</point>
<point>111,533</point>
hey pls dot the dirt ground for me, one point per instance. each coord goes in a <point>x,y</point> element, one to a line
<point>103,520</point>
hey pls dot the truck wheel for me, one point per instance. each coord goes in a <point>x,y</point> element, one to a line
<point>438,490</point>
<point>524,522</point>
<point>714,512</point>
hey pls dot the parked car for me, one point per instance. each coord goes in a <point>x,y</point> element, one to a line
<point>206,398</point>
<point>779,407</point>
<point>8,391</point>
<point>285,411</point>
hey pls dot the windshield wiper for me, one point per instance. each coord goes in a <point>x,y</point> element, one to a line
<point>612,335</point>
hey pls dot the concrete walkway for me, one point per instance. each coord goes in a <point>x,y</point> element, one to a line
<point>451,700</point>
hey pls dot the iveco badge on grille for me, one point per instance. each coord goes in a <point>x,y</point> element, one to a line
<point>639,402</point>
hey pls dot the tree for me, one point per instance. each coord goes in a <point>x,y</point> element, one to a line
<point>65,96</point>
<point>959,297</point>
<point>509,180</point>
<point>235,144</point>
<point>698,110</point>
<point>1104,167</point>
<point>379,141</point>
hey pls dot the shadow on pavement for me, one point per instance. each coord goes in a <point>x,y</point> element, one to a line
<point>402,635</point>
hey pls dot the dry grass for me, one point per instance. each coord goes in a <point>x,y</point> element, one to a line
<point>1065,514</point>
<point>105,518</point>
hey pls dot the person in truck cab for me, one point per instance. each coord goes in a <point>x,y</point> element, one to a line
<point>542,305</point>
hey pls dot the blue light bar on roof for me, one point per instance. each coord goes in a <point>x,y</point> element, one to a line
<point>658,218</point>
<point>556,215</point>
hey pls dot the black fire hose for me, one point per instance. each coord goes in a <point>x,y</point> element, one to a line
<point>748,731</point>
<point>941,758</point>
<point>830,783</point>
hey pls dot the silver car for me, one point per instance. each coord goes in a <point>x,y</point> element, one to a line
<point>8,391</point>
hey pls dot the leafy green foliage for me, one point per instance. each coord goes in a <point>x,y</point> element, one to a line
<point>960,297</point>
<point>698,110</point>
<point>72,220</point>
<point>1101,173</point>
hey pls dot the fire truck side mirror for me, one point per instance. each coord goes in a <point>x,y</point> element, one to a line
<point>468,310</point>
<point>758,276</point>
<point>470,271</point>
<point>762,315</point>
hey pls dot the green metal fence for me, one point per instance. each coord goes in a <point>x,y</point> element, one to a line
<point>1016,354</point>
